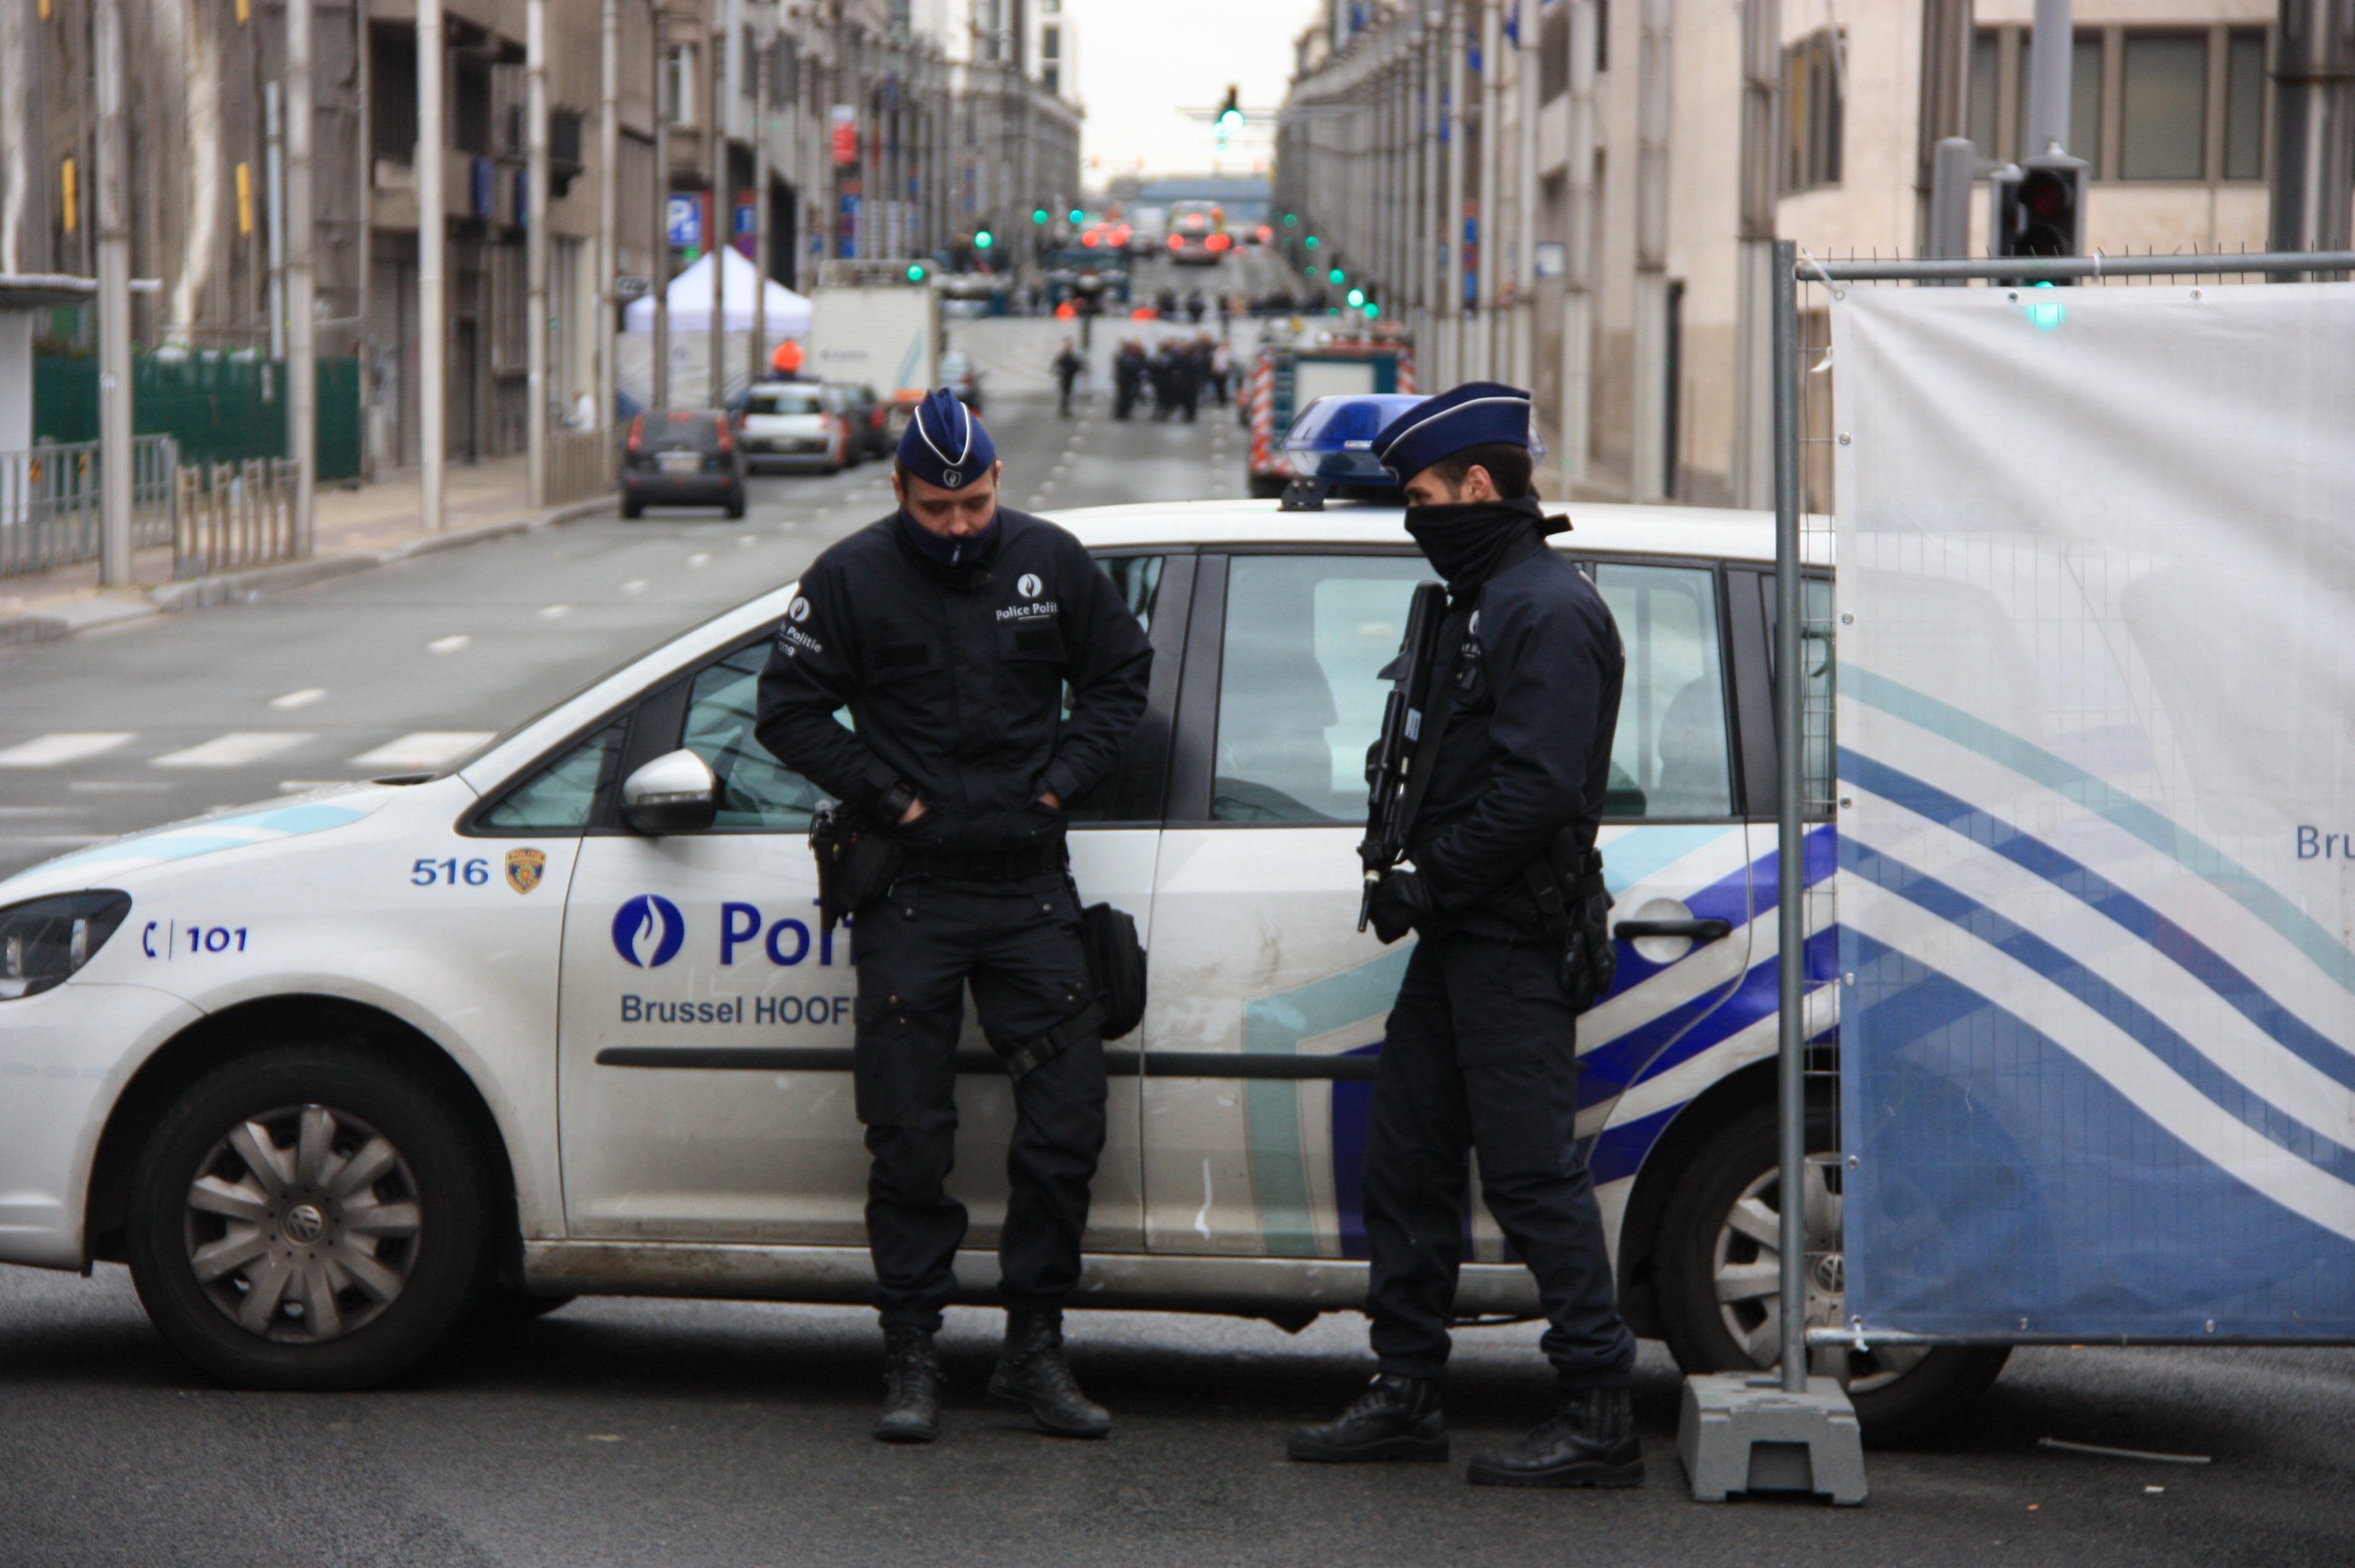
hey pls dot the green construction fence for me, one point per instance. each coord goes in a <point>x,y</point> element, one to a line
<point>220,408</point>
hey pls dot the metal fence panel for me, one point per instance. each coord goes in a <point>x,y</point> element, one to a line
<point>2097,870</point>
<point>50,502</point>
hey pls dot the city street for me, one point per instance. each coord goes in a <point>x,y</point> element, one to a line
<point>628,1431</point>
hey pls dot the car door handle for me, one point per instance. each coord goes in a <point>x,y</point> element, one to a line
<point>1699,930</point>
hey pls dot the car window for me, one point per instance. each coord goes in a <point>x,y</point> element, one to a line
<point>1138,579</point>
<point>686,428</point>
<point>568,793</point>
<point>756,791</point>
<point>1300,697</point>
<point>1670,757</point>
<point>787,401</point>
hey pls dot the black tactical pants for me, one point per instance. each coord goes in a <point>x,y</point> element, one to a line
<point>1019,945</point>
<point>1480,1055</point>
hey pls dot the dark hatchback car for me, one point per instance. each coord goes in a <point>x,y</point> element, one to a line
<point>682,458</point>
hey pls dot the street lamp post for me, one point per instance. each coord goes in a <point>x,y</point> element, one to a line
<point>301,314</point>
<point>609,187</point>
<point>114,411</point>
<point>433,232</point>
<point>535,112</point>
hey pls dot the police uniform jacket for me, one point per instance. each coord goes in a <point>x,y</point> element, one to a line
<point>1527,750</point>
<point>954,678</point>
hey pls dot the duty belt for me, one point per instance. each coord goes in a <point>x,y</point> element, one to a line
<point>993,866</point>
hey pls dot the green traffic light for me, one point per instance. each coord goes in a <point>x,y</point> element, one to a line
<point>1290,219</point>
<point>1307,271</point>
<point>1310,242</point>
<point>1037,214</point>
<point>1356,298</point>
<point>1373,310</point>
<point>983,241</point>
<point>1336,276</point>
<point>1077,216</point>
<point>915,271</point>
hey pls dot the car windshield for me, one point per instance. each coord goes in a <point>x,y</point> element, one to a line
<point>695,428</point>
<point>784,400</point>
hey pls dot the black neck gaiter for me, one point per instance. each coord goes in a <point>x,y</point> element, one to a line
<point>1469,544</point>
<point>949,554</point>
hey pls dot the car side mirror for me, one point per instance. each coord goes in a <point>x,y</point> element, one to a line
<point>676,793</point>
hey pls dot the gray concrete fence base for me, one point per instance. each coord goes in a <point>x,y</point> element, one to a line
<point>1742,1433</point>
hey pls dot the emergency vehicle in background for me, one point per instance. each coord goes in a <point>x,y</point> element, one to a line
<point>1198,233</point>
<point>1293,370</point>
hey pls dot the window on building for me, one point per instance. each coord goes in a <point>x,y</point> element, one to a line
<point>1811,113</point>
<point>1051,43</point>
<point>1050,77</point>
<point>1987,84</point>
<point>470,116</point>
<point>678,84</point>
<point>2163,107</point>
<point>392,103</point>
<point>748,52</point>
<point>2244,106</point>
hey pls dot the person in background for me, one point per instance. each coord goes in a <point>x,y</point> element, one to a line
<point>1068,365</point>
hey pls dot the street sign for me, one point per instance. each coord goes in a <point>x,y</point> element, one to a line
<point>686,221</point>
<point>844,138</point>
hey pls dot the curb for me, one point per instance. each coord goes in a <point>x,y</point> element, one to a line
<point>235,587</point>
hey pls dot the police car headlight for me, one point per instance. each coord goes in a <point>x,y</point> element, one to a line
<point>44,941</point>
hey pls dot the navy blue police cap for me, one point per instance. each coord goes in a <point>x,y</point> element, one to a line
<point>1477,413</point>
<point>945,444</point>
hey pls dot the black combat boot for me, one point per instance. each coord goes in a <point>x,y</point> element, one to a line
<point>911,1388</point>
<point>1590,1442</point>
<point>1395,1418</point>
<point>1032,1375</point>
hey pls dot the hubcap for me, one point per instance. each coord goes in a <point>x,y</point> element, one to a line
<point>1748,1266</point>
<point>303,1224</point>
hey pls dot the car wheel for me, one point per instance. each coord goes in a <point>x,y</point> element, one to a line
<point>1720,1268</point>
<point>633,508</point>
<point>309,1217</point>
<point>736,506</point>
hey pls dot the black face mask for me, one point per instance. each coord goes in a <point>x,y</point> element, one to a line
<point>1468,544</point>
<point>941,550</point>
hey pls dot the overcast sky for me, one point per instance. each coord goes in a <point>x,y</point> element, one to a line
<point>1141,64</point>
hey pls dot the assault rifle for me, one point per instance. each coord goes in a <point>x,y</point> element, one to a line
<point>1392,756</point>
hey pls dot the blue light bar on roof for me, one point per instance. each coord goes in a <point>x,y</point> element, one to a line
<point>1333,439</point>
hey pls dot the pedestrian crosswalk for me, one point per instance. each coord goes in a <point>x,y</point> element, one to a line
<point>115,749</point>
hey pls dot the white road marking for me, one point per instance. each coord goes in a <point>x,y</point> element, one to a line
<point>36,811</point>
<point>635,585</point>
<point>746,541</point>
<point>449,644</point>
<point>556,612</point>
<point>234,750</point>
<point>62,746</point>
<point>302,698</point>
<point>120,786</point>
<point>423,749</point>
<point>698,559</point>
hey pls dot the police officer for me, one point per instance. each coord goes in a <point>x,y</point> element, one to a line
<point>949,630</point>
<point>1479,1052</point>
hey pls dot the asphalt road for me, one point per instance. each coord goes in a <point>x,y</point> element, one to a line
<point>626,1432</point>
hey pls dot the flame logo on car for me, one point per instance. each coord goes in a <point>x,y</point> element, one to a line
<point>648,931</point>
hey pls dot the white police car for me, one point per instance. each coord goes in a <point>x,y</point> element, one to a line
<point>329,1072</point>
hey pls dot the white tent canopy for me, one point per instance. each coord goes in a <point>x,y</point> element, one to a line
<point>691,301</point>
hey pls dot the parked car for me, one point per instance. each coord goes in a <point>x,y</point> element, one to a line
<point>957,374</point>
<point>797,425</point>
<point>597,935</point>
<point>682,458</point>
<point>870,419</point>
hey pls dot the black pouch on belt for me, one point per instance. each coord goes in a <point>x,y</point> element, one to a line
<point>857,862</point>
<point>1116,966</point>
<point>1574,909</point>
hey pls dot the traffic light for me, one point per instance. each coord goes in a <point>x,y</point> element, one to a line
<point>984,239</point>
<point>1037,214</point>
<point>2042,213</point>
<point>1292,220</point>
<point>1231,113</point>
<point>1310,242</point>
<point>1356,299</point>
<point>1077,216</point>
<point>1337,277</point>
<point>915,271</point>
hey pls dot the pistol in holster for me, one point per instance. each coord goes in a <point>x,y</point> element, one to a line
<point>1574,911</point>
<point>857,862</point>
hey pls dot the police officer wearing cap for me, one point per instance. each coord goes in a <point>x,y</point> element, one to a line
<point>1479,1054</point>
<point>950,630</point>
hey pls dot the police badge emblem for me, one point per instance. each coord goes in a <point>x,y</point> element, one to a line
<point>523,868</point>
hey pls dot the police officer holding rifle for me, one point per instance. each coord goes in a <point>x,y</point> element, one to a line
<point>949,629</point>
<point>1489,779</point>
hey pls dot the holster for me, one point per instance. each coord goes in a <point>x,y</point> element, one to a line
<point>1573,909</point>
<point>857,862</point>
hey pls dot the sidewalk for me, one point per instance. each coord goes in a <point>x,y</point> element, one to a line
<point>357,528</point>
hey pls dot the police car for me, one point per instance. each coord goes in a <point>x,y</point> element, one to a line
<point>332,1073</point>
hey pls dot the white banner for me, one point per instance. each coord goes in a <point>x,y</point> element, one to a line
<point>2096,676</point>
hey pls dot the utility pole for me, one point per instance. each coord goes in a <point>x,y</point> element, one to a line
<point>1525,228</point>
<point>2314,129</point>
<point>535,113</point>
<point>2050,50</point>
<point>658,391</point>
<point>302,279</point>
<point>609,187</point>
<point>1578,291</point>
<point>722,237</point>
<point>1451,214</point>
<point>1753,312</point>
<point>273,195</point>
<point>433,232</point>
<point>115,468</point>
<point>1426,189</point>
<point>1648,455</point>
<point>1492,155</point>
<point>757,362</point>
